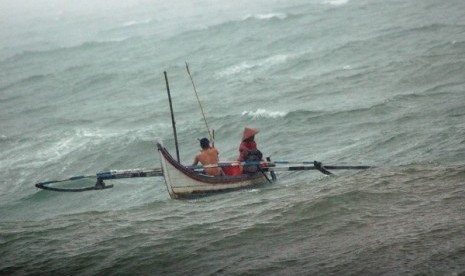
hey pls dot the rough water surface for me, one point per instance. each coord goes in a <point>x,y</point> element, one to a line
<point>345,82</point>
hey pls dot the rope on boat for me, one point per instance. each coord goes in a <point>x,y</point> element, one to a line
<point>200,104</point>
<point>99,184</point>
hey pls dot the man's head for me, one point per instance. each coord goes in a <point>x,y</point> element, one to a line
<point>204,143</point>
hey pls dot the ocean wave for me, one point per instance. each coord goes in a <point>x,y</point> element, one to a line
<point>25,81</point>
<point>246,66</point>
<point>382,105</point>
<point>97,79</point>
<point>336,2</point>
<point>85,46</point>
<point>137,22</point>
<point>54,146</point>
<point>395,33</point>
<point>70,147</point>
<point>266,16</point>
<point>304,113</point>
<point>263,113</point>
<point>372,42</point>
<point>433,27</point>
<point>446,88</point>
<point>242,22</point>
<point>458,44</point>
<point>342,113</point>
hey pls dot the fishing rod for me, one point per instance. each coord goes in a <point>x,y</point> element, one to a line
<point>200,104</point>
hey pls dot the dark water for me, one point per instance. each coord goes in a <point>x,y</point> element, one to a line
<point>343,82</point>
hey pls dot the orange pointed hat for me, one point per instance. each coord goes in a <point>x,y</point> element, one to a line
<point>249,132</point>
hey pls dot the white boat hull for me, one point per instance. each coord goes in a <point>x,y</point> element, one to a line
<point>182,182</point>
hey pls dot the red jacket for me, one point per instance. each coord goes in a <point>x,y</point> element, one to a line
<point>246,145</point>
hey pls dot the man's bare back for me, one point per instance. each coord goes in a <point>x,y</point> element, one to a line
<point>208,157</point>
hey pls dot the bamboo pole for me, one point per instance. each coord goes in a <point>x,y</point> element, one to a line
<point>173,122</point>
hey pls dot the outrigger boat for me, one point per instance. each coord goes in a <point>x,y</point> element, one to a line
<point>185,182</point>
<point>190,181</point>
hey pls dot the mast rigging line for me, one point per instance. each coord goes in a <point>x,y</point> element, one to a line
<point>200,104</point>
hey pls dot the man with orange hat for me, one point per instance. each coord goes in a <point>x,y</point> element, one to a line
<point>248,151</point>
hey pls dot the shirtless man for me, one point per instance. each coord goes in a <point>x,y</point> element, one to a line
<point>208,156</point>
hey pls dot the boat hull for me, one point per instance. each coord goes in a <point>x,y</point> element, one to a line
<point>183,182</point>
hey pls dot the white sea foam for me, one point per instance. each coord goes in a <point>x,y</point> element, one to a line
<point>129,23</point>
<point>136,22</point>
<point>263,113</point>
<point>266,16</point>
<point>235,69</point>
<point>336,2</point>
<point>54,150</point>
<point>246,66</point>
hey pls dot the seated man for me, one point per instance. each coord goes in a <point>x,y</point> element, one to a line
<point>208,156</point>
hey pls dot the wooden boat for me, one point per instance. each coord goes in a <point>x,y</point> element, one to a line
<point>183,182</point>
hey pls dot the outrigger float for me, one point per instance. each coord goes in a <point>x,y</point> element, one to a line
<point>190,181</point>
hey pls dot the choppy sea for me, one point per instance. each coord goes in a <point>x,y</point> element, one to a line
<point>344,82</point>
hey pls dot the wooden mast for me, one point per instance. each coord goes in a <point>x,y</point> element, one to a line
<point>173,122</point>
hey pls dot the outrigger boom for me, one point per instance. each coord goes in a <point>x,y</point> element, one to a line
<point>293,166</point>
<point>157,172</point>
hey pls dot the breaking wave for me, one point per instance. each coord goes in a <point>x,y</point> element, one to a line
<point>336,2</point>
<point>246,66</point>
<point>263,113</point>
<point>266,16</point>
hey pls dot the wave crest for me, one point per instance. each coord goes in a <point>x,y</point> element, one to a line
<point>136,22</point>
<point>336,2</point>
<point>263,113</point>
<point>249,65</point>
<point>266,16</point>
